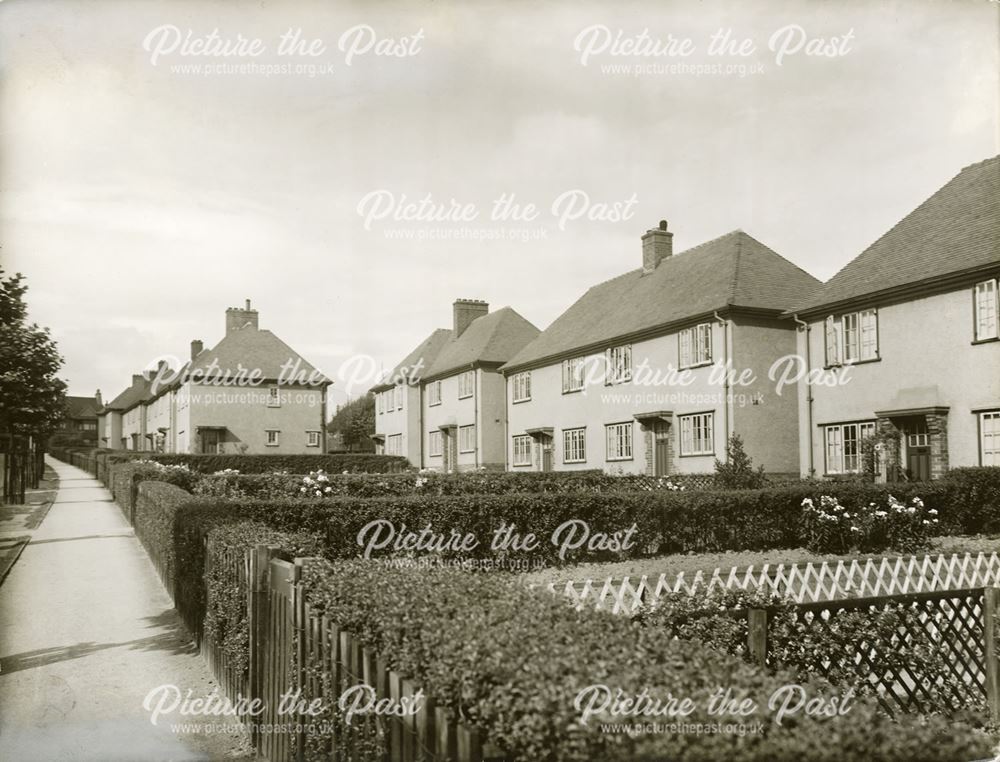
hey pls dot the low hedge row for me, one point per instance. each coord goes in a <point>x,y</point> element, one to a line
<point>124,479</point>
<point>515,663</point>
<point>261,464</point>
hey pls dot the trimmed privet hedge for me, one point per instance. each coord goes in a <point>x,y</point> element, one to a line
<point>514,662</point>
<point>156,507</point>
<point>973,505</point>
<point>262,464</point>
<point>124,480</point>
<point>718,619</point>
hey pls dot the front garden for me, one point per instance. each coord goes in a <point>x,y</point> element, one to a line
<point>512,661</point>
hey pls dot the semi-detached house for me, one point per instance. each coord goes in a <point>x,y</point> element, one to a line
<point>443,407</point>
<point>911,328</point>
<point>633,376</point>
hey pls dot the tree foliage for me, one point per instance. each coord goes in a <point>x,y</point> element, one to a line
<point>32,397</point>
<point>738,471</point>
<point>355,423</point>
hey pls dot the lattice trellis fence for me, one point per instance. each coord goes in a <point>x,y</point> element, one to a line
<point>799,582</point>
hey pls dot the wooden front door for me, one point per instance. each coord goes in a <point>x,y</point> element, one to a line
<point>546,444</point>
<point>209,441</point>
<point>661,451</point>
<point>450,450</point>
<point>918,452</point>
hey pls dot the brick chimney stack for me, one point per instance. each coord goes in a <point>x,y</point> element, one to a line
<point>97,399</point>
<point>237,318</point>
<point>197,347</point>
<point>657,245</point>
<point>467,310</point>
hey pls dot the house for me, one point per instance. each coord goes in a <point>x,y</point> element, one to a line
<point>909,329</point>
<point>79,424</point>
<point>652,371</point>
<point>443,406</point>
<point>251,393</point>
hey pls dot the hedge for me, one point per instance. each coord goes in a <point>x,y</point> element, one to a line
<point>124,480</point>
<point>513,663</point>
<point>262,464</point>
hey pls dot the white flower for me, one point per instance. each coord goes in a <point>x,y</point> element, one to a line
<point>932,512</point>
<point>328,490</point>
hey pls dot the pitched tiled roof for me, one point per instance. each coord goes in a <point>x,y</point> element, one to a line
<point>138,392</point>
<point>425,354</point>
<point>956,229</point>
<point>252,349</point>
<point>81,407</point>
<point>734,270</point>
<point>492,338</point>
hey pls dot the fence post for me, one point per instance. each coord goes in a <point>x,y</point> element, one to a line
<point>257,619</point>
<point>991,607</point>
<point>757,636</point>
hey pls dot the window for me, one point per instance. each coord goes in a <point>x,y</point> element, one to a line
<point>521,383</point>
<point>843,446</point>
<point>399,396</point>
<point>272,438</point>
<point>434,448</point>
<point>989,438</point>
<point>572,375</point>
<point>852,338</point>
<point>380,399</point>
<point>619,441</point>
<point>273,396</point>
<point>986,309</point>
<point>466,384</point>
<point>695,345</point>
<point>522,450</point>
<point>467,438</point>
<point>575,445</point>
<point>394,444</point>
<point>619,364</point>
<point>434,393</point>
<point>312,439</point>
<point>697,434</point>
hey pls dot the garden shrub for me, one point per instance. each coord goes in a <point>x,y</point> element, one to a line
<point>513,662</point>
<point>718,619</point>
<point>973,500</point>
<point>832,528</point>
<point>738,472</point>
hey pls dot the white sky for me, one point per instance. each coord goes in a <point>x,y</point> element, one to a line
<point>141,202</point>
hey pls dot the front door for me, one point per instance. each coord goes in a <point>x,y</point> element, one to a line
<point>210,441</point>
<point>661,439</point>
<point>546,454</point>
<point>918,452</point>
<point>450,450</point>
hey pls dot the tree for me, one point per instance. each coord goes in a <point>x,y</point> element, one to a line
<point>355,423</point>
<point>738,471</point>
<point>32,397</point>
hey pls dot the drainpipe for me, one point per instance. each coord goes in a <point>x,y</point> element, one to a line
<point>506,424</point>
<point>476,388</point>
<point>809,394</point>
<point>725,363</point>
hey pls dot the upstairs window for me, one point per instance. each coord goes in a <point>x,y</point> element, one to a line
<point>380,400</point>
<point>466,384</point>
<point>986,310</point>
<point>852,338</point>
<point>398,391</point>
<point>434,393</point>
<point>619,362</point>
<point>521,384</point>
<point>272,438</point>
<point>695,345</point>
<point>273,396</point>
<point>572,375</point>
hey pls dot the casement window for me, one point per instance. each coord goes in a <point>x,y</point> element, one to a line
<point>380,399</point>
<point>273,396</point>
<point>434,444</point>
<point>987,308</point>
<point>466,384</point>
<point>522,450</point>
<point>272,437</point>
<point>695,345</point>
<point>843,446</point>
<point>852,338</point>
<point>467,438</point>
<point>394,444</point>
<point>619,363</point>
<point>989,438</point>
<point>312,439</point>
<point>697,433</point>
<point>572,375</point>
<point>619,441</point>
<point>399,396</point>
<point>575,445</point>
<point>521,383</point>
<point>434,393</point>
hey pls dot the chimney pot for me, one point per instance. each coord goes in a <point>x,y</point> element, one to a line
<point>657,245</point>
<point>467,310</point>
<point>238,317</point>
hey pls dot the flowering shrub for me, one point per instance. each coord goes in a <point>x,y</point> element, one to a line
<point>316,484</point>
<point>831,527</point>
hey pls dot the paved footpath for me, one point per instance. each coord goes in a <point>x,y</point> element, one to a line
<point>86,631</point>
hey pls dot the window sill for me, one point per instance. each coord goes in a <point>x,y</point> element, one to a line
<point>572,391</point>
<point>518,402</point>
<point>433,455</point>
<point>697,455</point>
<point>520,465</point>
<point>466,452</point>
<point>575,462</point>
<point>704,364</point>
<point>465,396</point>
<point>852,363</point>
<point>991,340</point>
<point>618,460</point>
<point>433,404</point>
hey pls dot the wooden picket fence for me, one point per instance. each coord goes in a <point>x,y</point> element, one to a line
<point>800,582</point>
<point>292,646</point>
